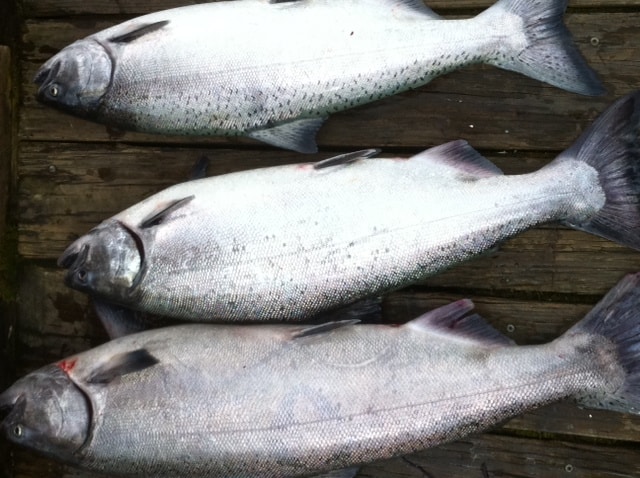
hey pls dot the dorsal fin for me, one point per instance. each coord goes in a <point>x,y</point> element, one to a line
<point>306,331</point>
<point>157,218</point>
<point>137,31</point>
<point>346,158</point>
<point>122,364</point>
<point>452,319</point>
<point>458,158</point>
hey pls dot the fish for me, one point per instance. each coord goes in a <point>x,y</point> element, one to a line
<point>287,400</point>
<point>275,70</point>
<point>290,242</point>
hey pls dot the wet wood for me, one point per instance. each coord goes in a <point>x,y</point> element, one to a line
<point>7,323</point>
<point>71,174</point>
<point>49,8</point>
<point>491,456</point>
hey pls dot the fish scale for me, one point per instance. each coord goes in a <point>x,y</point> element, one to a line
<point>275,71</point>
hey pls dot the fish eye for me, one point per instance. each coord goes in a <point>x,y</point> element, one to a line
<point>54,90</point>
<point>17,431</point>
<point>82,275</point>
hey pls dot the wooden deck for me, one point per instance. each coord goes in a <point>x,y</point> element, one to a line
<point>66,175</point>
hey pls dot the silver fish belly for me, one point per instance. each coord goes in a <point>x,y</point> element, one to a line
<point>275,70</point>
<point>288,401</point>
<point>293,241</point>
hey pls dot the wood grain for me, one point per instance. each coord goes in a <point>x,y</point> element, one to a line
<point>7,323</point>
<point>51,8</point>
<point>71,174</point>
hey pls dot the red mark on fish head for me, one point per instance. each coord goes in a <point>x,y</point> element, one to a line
<point>67,365</point>
<point>304,166</point>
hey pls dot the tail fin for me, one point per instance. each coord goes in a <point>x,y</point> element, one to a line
<point>611,145</point>
<point>617,318</point>
<point>548,54</point>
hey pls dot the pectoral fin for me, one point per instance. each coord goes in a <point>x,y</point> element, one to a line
<point>307,331</point>
<point>158,218</point>
<point>122,364</point>
<point>298,135</point>
<point>346,158</point>
<point>136,31</point>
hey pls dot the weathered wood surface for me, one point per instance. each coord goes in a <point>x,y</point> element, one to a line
<point>73,174</point>
<point>52,8</point>
<point>7,324</point>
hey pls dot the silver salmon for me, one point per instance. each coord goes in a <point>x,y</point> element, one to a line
<point>290,242</point>
<point>287,401</point>
<point>275,70</point>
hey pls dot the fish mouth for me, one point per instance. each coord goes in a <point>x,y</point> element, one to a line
<point>73,259</point>
<point>6,405</point>
<point>110,258</point>
<point>9,404</point>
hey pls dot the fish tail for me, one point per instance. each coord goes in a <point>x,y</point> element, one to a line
<point>545,50</point>
<point>611,146</point>
<point>613,327</point>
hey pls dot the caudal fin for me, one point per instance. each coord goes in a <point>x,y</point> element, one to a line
<point>611,145</point>
<point>616,318</point>
<point>548,53</point>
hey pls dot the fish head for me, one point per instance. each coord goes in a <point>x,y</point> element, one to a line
<point>107,262</point>
<point>46,412</point>
<point>76,79</point>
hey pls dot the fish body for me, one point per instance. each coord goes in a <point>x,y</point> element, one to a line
<point>287,401</point>
<point>275,71</point>
<point>290,242</point>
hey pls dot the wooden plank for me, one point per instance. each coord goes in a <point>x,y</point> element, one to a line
<point>51,8</point>
<point>7,246</point>
<point>491,456</point>
<point>493,109</point>
<point>6,252</point>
